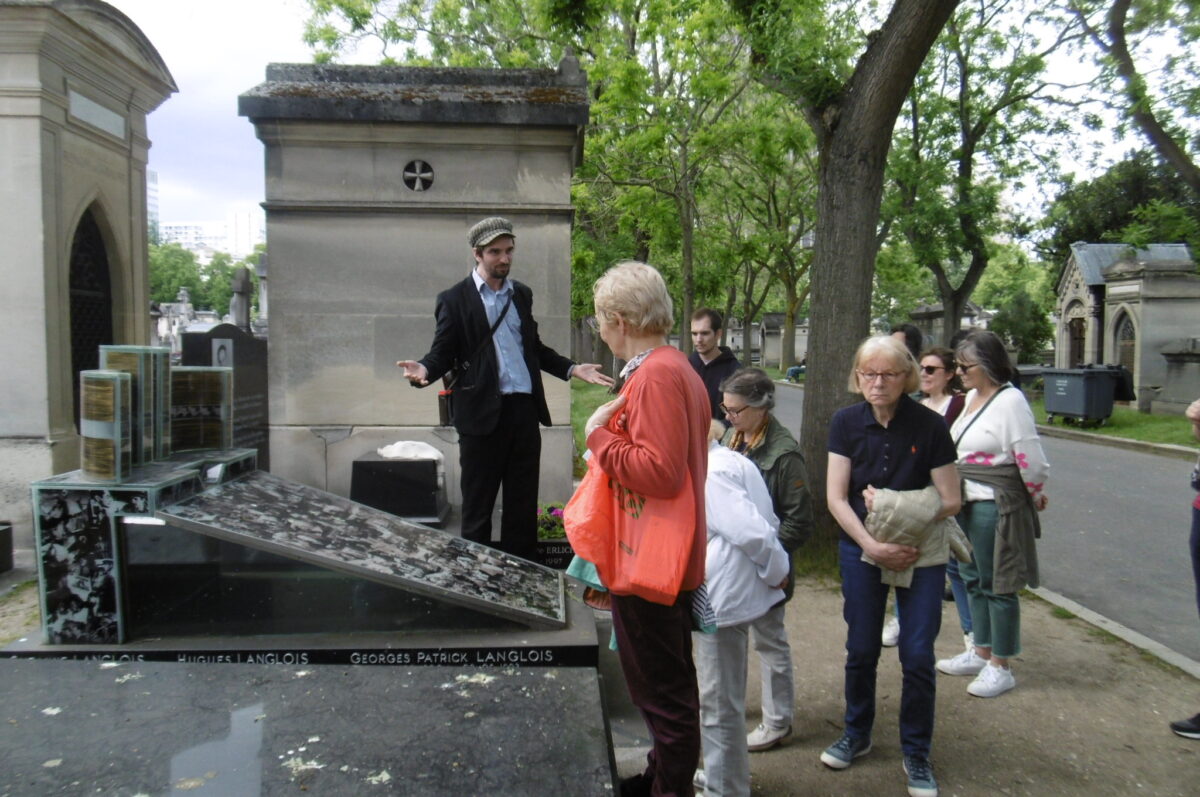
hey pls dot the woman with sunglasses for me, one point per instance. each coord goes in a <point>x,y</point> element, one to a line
<point>748,398</point>
<point>940,384</point>
<point>1004,478</point>
<point>888,441</point>
<point>944,395</point>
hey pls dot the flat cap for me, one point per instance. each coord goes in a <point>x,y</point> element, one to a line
<point>489,230</point>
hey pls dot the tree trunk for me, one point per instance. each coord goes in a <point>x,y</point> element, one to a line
<point>747,355</point>
<point>843,265</point>
<point>952,313</point>
<point>787,337</point>
<point>687,218</point>
<point>854,138</point>
<point>727,315</point>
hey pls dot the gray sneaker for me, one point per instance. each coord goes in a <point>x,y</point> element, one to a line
<point>920,777</point>
<point>842,753</point>
<point>764,738</point>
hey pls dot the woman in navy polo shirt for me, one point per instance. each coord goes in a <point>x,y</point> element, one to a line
<point>889,441</point>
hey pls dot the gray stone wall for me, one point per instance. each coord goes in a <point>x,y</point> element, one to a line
<point>79,80</point>
<point>358,254</point>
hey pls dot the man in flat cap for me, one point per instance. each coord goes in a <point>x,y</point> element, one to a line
<point>487,335</point>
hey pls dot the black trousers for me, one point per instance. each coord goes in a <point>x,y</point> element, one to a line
<point>507,457</point>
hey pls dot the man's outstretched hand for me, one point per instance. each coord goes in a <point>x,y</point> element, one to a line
<point>590,372</point>
<point>414,372</point>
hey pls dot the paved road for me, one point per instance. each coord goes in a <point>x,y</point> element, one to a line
<point>1115,539</point>
<point>1114,536</point>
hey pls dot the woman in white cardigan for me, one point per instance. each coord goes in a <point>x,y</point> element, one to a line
<point>1004,478</point>
<point>746,569</point>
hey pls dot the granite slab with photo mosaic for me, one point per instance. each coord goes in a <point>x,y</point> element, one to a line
<point>300,522</point>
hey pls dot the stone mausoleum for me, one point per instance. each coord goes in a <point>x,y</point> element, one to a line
<point>373,177</point>
<point>1139,308</point>
<point>79,79</point>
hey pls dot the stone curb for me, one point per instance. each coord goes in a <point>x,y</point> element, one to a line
<point>1140,641</point>
<point>1162,449</point>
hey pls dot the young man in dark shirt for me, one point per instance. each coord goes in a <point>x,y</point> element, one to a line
<point>714,363</point>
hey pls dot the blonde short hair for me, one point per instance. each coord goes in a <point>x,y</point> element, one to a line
<point>892,348</point>
<point>637,293</point>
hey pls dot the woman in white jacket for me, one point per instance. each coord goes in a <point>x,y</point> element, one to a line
<point>746,569</point>
<point>1004,474</point>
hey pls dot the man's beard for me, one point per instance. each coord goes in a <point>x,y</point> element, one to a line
<point>497,271</point>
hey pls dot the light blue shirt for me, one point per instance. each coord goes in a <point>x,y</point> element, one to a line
<point>514,374</point>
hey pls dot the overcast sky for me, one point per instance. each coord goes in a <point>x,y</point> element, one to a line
<point>206,156</point>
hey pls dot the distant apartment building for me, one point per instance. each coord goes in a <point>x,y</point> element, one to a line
<point>152,219</point>
<point>242,229</point>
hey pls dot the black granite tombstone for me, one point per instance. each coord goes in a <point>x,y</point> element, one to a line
<point>227,345</point>
<point>284,727</point>
<point>406,488</point>
<point>79,542</point>
<point>6,547</point>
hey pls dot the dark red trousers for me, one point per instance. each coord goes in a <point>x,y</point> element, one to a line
<point>654,644</point>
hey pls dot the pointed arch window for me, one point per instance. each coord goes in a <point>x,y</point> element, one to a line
<point>1126,341</point>
<point>91,301</point>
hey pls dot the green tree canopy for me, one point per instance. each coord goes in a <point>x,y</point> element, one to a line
<point>1022,323</point>
<point>964,138</point>
<point>1147,51</point>
<point>1102,208</point>
<point>172,267</point>
<point>210,285</point>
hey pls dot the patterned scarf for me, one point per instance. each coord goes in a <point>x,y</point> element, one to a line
<point>741,444</point>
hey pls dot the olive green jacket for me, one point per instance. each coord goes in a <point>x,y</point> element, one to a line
<point>779,459</point>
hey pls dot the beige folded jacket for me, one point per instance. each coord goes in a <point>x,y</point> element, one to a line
<point>906,517</point>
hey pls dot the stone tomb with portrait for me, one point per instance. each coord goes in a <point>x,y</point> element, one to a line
<point>199,555</point>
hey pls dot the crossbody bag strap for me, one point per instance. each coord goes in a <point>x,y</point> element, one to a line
<point>981,411</point>
<point>465,364</point>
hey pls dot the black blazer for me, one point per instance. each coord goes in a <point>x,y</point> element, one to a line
<point>461,325</point>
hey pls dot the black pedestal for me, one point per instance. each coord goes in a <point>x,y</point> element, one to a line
<point>6,547</point>
<point>406,488</point>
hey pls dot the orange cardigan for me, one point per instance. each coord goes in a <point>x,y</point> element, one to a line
<point>667,414</point>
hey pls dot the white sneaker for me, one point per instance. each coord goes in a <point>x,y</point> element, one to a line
<point>992,681</point>
<point>891,632</point>
<point>700,781</point>
<point>764,738</point>
<point>965,663</point>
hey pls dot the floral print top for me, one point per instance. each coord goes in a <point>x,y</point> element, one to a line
<point>1004,433</point>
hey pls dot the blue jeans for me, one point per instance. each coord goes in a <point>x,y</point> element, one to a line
<point>961,601</point>
<point>1195,546</point>
<point>864,606</point>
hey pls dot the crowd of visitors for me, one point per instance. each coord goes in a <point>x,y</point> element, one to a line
<point>924,480</point>
<point>936,475</point>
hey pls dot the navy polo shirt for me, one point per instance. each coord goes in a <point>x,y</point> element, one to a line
<point>899,457</point>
